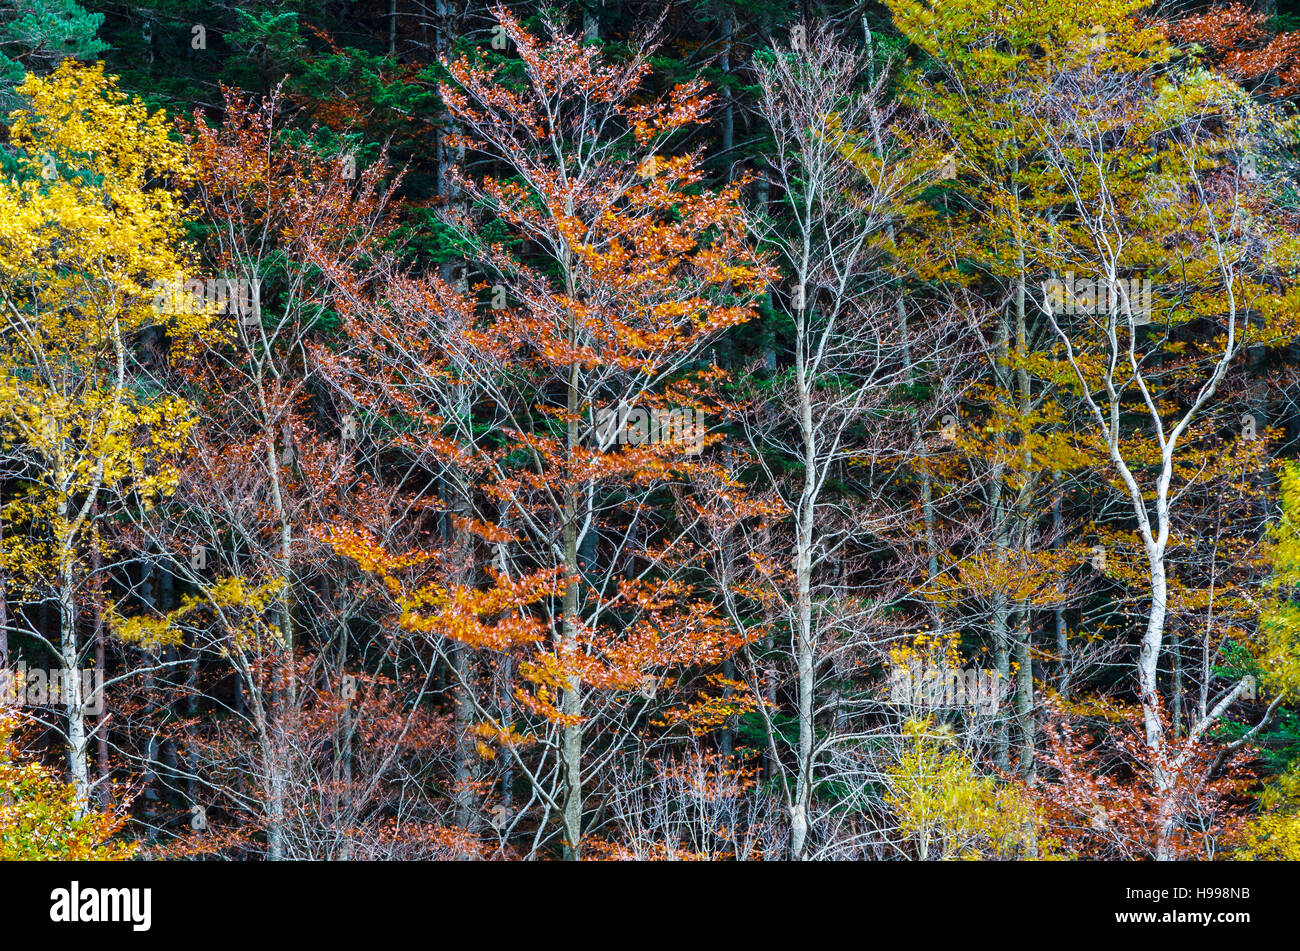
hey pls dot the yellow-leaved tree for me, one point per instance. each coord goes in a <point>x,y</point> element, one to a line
<point>1275,832</point>
<point>91,222</point>
<point>41,817</point>
<point>945,809</point>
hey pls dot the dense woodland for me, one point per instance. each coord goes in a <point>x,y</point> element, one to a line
<point>687,429</point>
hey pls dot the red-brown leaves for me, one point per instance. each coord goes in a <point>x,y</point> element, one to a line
<point>1113,794</point>
<point>1239,41</point>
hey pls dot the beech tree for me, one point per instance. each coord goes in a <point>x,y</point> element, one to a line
<point>1196,231</point>
<point>524,400</point>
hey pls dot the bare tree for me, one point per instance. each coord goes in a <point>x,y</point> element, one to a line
<point>832,417</point>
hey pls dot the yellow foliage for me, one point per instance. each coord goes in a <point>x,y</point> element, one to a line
<point>928,650</point>
<point>947,810</point>
<point>1280,623</point>
<point>237,606</point>
<point>39,814</point>
<point>1275,834</point>
<point>92,220</point>
<point>88,225</point>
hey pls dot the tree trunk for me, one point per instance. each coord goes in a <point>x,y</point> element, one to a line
<point>101,728</point>
<point>73,702</point>
<point>803,633</point>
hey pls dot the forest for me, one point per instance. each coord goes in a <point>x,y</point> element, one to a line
<point>649,430</point>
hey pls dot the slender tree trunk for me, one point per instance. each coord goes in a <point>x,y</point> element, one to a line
<point>1025,720</point>
<point>1002,660</point>
<point>101,728</point>
<point>927,490</point>
<point>284,693</point>
<point>73,702</point>
<point>464,772</point>
<point>804,646</point>
<point>1149,655</point>
<point>1058,615</point>
<point>1175,650</point>
<point>4,605</point>
<point>728,143</point>
<point>571,695</point>
<point>1148,669</point>
<point>69,652</point>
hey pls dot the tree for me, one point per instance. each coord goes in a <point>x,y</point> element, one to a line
<point>835,409</point>
<point>318,725</point>
<point>610,273</point>
<point>91,224</point>
<point>1209,279</point>
<point>946,810</point>
<point>1072,174</point>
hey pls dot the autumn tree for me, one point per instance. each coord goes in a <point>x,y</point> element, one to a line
<point>298,761</point>
<point>610,272</point>
<point>92,221</point>
<point>1066,175</point>
<point>943,807</point>
<point>1193,242</point>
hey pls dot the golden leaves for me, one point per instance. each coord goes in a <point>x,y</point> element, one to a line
<point>237,606</point>
<point>1015,576</point>
<point>714,706</point>
<point>40,817</point>
<point>946,809</point>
